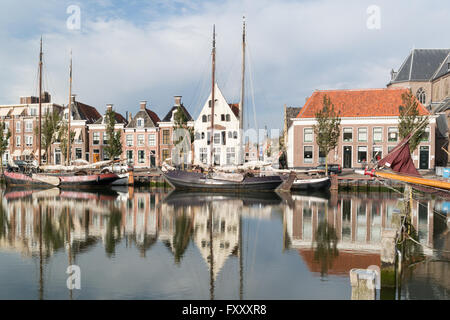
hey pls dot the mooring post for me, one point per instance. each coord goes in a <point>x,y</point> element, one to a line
<point>334,182</point>
<point>387,269</point>
<point>363,284</point>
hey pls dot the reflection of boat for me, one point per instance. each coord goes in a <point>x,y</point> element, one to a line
<point>22,192</point>
<point>179,198</point>
<point>62,181</point>
<point>202,181</point>
<point>311,184</point>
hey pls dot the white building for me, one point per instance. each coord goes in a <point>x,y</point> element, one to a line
<point>226,132</point>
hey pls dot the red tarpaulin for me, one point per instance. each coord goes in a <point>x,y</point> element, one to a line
<point>399,159</point>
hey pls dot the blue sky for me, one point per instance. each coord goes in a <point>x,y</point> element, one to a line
<point>127,51</point>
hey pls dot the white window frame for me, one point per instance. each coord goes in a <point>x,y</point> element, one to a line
<point>367,133</point>
<point>312,134</point>
<point>373,134</point>
<point>308,160</point>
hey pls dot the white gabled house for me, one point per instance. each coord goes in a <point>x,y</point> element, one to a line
<point>226,132</point>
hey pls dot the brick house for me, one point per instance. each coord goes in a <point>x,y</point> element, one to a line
<point>141,134</point>
<point>166,138</point>
<point>369,129</point>
<point>22,120</point>
<point>98,137</point>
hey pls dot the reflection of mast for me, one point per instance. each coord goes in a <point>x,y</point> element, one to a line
<point>211,251</point>
<point>212,94</point>
<point>241,269</point>
<point>41,271</point>
<point>69,249</point>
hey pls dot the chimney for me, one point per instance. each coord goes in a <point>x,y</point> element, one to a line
<point>177,101</point>
<point>109,107</point>
<point>73,97</point>
<point>143,104</point>
<point>130,117</point>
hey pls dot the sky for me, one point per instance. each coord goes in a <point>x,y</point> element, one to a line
<point>127,51</point>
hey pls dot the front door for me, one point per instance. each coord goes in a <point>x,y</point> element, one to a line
<point>424,157</point>
<point>152,159</point>
<point>58,156</point>
<point>347,157</point>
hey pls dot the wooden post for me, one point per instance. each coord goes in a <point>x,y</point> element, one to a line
<point>334,182</point>
<point>363,284</point>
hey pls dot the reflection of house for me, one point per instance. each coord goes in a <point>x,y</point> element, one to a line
<point>369,129</point>
<point>358,223</point>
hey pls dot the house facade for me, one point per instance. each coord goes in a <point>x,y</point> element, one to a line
<point>226,132</point>
<point>168,136</point>
<point>369,129</point>
<point>142,139</point>
<point>22,120</point>
<point>98,137</point>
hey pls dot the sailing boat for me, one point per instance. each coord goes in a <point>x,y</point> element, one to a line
<point>220,181</point>
<point>15,178</point>
<point>399,160</point>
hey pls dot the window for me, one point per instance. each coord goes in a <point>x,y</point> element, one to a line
<point>130,156</point>
<point>105,155</point>
<point>204,118</point>
<point>151,140</point>
<point>166,136</point>
<point>105,138</point>
<point>224,137</point>
<point>362,134</point>
<point>203,135</point>
<point>348,135</point>
<point>33,112</point>
<point>235,136</point>
<point>426,135</point>
<point>377,153</point>
<point>165,154</point>
<point>390,148</point>
<point>216,156</point>
<point>228,118</point>
<point>308,135</point>
<point>208,139</point>
<point>140,140</point>
<point>29,141</point>
<point>140,122</point>
<point>129,140</point>
<point>378,134</point>
<point>230,134</point>
<point>78,153</point>
<point>230,156</point>
<point>18,126</point>
<point>203,155</point>
<point>141,156</point>
<point>17,141</point>
<point>392,134</point>
<point>96,138</point>
<point>6,127</point>
<point>222,117</point>
<point>321,157</point>
<point>362,154</point>
<point>29,126</point>
<point>307,154</point>
<point>216,138</point>
<point>421,96</point>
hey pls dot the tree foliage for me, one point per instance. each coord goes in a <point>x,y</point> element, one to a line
<point>327,130</point>
<point>64,139</point>
<point>50,126</point>
<point>113,148</point>
<point>4,138</point>
<point>183,135</point>
<point>410,120</point>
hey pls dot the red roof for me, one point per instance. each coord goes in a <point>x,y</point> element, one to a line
<point>235,108</point>
<point>359,103</point>
<point>153,116</point>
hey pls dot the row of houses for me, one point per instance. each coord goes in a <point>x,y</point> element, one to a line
<point>147,140</point>
<point>370,117</point>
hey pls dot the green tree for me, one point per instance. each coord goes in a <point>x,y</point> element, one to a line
<point>64,139</point>
<point>327,129</point>
<point>113,148</point>
<point>4,138</point>
<point>49,129</point>
<point>410,120</point>
<point>325,251</point>
<point>183,135</point>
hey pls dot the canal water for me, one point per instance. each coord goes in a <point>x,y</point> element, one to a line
<point>154,244</point>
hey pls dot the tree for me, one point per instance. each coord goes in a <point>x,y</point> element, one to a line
<point>64,139</point>
<point>4,141</point>
<point>327,129</point>
<point>183,135</point>
<point>49,128</point>
<point>113,148</point>
<point>410,120</point>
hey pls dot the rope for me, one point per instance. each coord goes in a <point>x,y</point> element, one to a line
<point>439,250</point>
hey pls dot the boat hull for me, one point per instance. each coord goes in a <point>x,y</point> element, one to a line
<point>182,180</point>
<point>311,184</point>
<point>65,181</point>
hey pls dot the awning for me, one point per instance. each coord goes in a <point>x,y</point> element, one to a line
<point>16,153</point>
<point>18,111</point>
<point>77,134</point>
<point>4,112</point>
<point>27,152</point>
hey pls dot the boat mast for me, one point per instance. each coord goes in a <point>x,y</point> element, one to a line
<point>212,95</point>
<point>69,153</point>
<point>241,107</point>
<point>40,102</point>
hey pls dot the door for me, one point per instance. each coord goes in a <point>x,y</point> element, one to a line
<point>58,156</point>
<point>347,157</point>
<point>424,157</point>
<point>152,159</point>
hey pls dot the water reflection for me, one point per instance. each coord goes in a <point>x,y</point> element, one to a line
<point>252,246</point>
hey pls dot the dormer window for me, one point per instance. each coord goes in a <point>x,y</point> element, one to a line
<point>140,122</point>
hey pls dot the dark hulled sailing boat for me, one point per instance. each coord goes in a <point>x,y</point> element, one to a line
<point>71,179</point>
<point>217,181</point>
